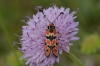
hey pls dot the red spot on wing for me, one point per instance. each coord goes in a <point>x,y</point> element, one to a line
<point>54,42</point>
<point>48,42</point>
<point>55,51</point>
<point>47,51</point>
<point>56,47</point>
<point>47,32</point>
<point>54,32</point>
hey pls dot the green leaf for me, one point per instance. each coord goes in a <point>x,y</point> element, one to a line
<point>90,44</point>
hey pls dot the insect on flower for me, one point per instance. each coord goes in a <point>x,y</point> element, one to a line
<point>51,44</point>
<point>47,34</point>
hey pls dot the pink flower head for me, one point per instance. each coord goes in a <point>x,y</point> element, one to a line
<point>33,35</point>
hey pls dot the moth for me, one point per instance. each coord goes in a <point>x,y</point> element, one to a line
<point>51,45</point>
<point>51,42</point>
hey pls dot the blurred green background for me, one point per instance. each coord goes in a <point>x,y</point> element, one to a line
<point>87,49</point>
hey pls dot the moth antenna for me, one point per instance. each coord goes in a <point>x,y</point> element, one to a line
<point>44,15</point>
<point>58,16</point>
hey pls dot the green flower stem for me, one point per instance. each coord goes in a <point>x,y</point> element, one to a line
<point>8,38</point>
<point>73,57</point>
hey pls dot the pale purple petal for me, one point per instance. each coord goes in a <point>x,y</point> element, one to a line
<point>33,35</point>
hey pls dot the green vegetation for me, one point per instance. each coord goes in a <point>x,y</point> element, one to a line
<point>88,47</point>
